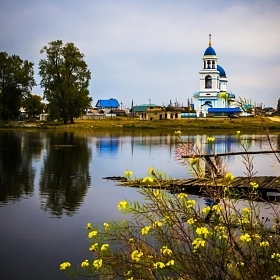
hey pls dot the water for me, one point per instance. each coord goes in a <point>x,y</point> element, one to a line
<point>52,185</point>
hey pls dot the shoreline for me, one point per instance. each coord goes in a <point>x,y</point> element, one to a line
<point>124,123</point>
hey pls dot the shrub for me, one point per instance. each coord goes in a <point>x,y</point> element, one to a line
<point>168,236</point>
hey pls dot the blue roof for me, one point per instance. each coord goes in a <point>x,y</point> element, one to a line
<point>224,110</point>
<point>107,103</point>
<point>222,71</point>
<point>209,51</point>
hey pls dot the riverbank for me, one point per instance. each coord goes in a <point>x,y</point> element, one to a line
<point>116,123</point>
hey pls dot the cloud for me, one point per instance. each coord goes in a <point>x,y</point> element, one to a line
<point>145,50</point>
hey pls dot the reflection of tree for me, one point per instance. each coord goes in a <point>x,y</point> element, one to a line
<point>16,172</point>
<point>65,174</point>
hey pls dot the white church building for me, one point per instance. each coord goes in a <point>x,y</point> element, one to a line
<point>213,98</point>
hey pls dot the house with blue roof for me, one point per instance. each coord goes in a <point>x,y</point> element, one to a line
<point>213,98</point>
<point>107,106</point>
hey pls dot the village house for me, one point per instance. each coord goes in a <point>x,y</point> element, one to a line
<point>154,112</point>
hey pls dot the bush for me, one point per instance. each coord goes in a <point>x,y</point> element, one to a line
<point>168,236</point>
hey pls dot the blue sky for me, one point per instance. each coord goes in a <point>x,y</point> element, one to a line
<point>151,50</point>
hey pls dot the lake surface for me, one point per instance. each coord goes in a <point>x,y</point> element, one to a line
<point>51,185</point>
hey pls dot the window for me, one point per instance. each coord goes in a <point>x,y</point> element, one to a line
<point>208,82</point>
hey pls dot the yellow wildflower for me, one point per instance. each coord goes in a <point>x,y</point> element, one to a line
<point>206,209</point>
<point>238,132</point>
<point>166,251</point>
<point>229,265</point>
<point>151,171</point>
<point>166,219</point>
<point>190,203</point>
<point>89,226</point>
<point>145,230</point>
<point>128,173</point>
<point>148,180</point>
<point>158,194</point>
<point>276,256</point>
<point>256,236</point>
<point>254,185</point>
<point>217,208</point>
<point>276,277</point>
<point>193,160</point>
<point>245,211</point>
<point>104,247</point>
<point>178,132</point>
<point>97,263</point>
<point>202,231</point>
<point>182,195</point>
<point>106,226</point>
<point>169,263</point>
<point>221,231</point>
<point>210,140</point>
<point>159,265</point>
<point>229,177</point>
<point>93,247</point>
<point>136,255</point>
<point>197,243</point>
<point>85,263</point>
<point>64,265</point>
<point>157,224</point>
<point>123,205</point>
<point>245,237</point>
<point>191,221</point>
<point>264,244</point>
<point>128,275</point>
<point>92,233</point>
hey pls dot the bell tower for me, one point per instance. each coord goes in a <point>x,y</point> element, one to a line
<point>209,75</point>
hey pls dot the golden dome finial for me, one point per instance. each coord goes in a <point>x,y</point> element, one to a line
<point>210,43</point>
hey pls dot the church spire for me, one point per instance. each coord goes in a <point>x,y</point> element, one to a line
<point>210,43</point>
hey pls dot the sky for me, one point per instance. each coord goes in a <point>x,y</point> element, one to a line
<point>150,51</point>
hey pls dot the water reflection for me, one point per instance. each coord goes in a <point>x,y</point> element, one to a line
<point>65,173</point>
<point>61,163</point>
<point>17,174</point>
<point>107,146</point>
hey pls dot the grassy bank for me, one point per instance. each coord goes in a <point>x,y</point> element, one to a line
<point>255,124</point>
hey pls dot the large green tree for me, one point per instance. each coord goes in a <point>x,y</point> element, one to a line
<point>65,78</point>
<point>16,82</point>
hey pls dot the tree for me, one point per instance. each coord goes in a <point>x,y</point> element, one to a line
<point>224,95</point>
<point>33,105</point>
<point>65,79</point>
<point>16,82</point>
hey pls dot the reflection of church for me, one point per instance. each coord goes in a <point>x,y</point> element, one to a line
<point>213,99</point>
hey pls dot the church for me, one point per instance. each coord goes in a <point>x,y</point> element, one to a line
<point>213,98</point>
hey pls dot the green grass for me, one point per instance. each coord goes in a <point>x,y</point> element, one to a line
<point>123,123</point>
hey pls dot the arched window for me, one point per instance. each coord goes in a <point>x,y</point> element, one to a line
<point>208,82</point>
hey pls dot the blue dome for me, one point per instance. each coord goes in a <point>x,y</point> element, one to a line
<point>209,51</point>
<point>222,71</point>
